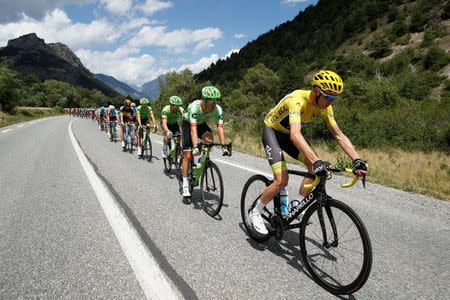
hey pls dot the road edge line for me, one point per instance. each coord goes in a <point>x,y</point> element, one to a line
<point>150,276</point>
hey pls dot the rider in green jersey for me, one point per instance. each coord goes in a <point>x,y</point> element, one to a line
<point>170,116</point>
<point>143,114</point>
<point>195,127</point>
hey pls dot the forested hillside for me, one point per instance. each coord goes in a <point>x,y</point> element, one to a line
<point>19,90</point>
<point>392,55</point>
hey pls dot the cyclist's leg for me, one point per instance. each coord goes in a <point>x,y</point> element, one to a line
<point>187,156</point>
<point>276,160</point>
<point>122,133</point>
<point>271,142</point>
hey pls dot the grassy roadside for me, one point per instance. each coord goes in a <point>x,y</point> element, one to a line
<point>23,114</point>
<point>419,172</point>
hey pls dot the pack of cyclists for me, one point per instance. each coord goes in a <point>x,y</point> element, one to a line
<point>282,132</point>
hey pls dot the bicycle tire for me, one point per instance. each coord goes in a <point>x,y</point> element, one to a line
<point>248,204</point>
<point>211,210</point>
<point>364,272</point>
<point>131,144</point>
<point>180,176</point>
<point>150,151</point>
<point>168,161</point>
<point>167,164</point>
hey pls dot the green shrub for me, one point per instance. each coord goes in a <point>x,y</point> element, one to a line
<point>435,58</point>
<point>380,48</point>
<point>398,63</point>
<point>416,85</point>
<point>399,28</point>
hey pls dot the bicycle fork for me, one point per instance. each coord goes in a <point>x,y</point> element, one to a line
<point>325,243</point>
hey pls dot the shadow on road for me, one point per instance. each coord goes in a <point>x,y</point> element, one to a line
<point>288,248</point>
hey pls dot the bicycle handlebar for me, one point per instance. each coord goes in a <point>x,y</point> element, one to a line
<point>229,146</point>
<point>344,185</point>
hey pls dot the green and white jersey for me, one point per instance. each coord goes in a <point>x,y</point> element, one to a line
<point>171,117</point>
<point>145,113</point>
<point>195,115</point>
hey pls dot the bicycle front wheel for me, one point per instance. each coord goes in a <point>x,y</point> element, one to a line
<point>211,186</point>
<point>131,143</point>
<point>150,150</point>
<point>341,264</point>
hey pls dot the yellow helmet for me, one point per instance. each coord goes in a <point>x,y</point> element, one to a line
<point>328,82</point>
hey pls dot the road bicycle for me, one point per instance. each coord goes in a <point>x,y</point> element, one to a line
<point>206,174</point>
<point>146,143</point>
<point>335,246</point>
<point>112,131</point>
<point>175,153</point>
<point>102,124</point>
<point>130,137</point>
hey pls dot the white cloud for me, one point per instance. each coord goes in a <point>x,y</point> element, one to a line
<point>117,7</point>
<point>124,64</point>
<point>231,52</point>
<point>56,26</point>
<point>178,40</point>
<point>201,64</point>
<point>239,36</point>
<point>13,9</point>
<point>152,6</point>
<point>293,1</point>
<point>205,62</point>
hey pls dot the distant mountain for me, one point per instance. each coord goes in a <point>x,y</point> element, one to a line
<point>119,86</point>
<point>137,88</point>
<point>151,88</point>
<point>29,54</point>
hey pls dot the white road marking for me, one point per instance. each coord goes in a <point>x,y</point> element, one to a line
<point>150,276</point>
<point>6,130</point>
<point>19,126</point>
<point>251,170</point>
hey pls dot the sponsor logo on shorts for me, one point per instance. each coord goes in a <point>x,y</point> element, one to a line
<point>269,153</point>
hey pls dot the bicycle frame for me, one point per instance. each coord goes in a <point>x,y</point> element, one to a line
<point>316,195</point>
<point>112,128</point>
<point>206,149</point>
<point>173,151</point>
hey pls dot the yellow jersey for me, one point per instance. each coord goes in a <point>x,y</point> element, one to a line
<point>296,107</point>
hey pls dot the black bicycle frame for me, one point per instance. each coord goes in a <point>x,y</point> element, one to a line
<point>319,195</point>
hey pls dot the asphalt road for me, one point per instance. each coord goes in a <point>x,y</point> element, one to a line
<point>56,242</point>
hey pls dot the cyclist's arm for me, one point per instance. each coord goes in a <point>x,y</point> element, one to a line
<point>218,112</point>
<point>153,118</point>
<point>164,124</point>
<point>121,117</point>
<point>344,142</point>
<point>221,134</point>
<point>302,145</point>
<point>138,118</point>
<point>194,134</point>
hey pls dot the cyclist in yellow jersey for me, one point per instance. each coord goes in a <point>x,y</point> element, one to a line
<point>282,132</point>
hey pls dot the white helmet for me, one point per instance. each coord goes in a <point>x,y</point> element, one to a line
<point>111,107</point>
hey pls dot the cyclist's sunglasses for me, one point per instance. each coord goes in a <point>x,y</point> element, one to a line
<point>328,97</point>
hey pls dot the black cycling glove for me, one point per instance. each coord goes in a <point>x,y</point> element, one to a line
<point>360,164</point>
<point>320,168</point>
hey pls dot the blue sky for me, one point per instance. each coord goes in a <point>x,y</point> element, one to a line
<point>137,40</point>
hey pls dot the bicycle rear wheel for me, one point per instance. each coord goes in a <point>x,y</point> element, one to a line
<point>343,264</point>
<point>252,191</point>
<point>211,186</point>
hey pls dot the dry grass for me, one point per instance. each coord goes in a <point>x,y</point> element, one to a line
<point>26,114</point>
<point>424,173</point>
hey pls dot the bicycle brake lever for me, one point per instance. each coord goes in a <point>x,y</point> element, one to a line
<point>364,181</point>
